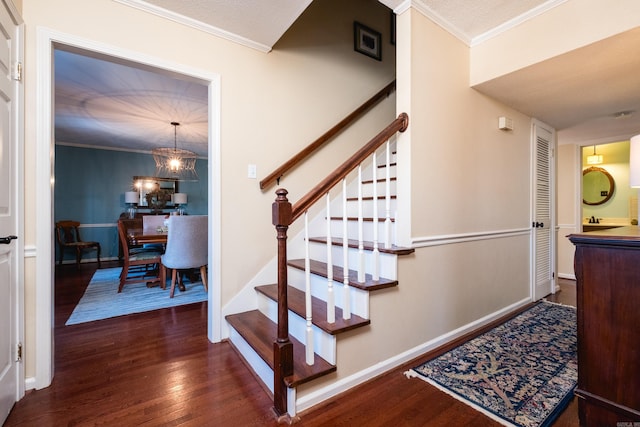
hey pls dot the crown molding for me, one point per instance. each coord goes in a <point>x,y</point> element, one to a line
<point>514,22</point>
<point>423,8</point>
<point>210,29</point>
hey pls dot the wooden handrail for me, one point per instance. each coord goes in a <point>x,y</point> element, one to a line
<point>400,124</point>
<point>283,215</point>
<point>291,163</point>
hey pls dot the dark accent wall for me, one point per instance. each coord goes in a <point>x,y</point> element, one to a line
<point>90,184</point>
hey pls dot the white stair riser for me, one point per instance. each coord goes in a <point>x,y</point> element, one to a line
<point>352,192</point>
<point>324,344</point>
<point>261,368</point>
<point>367,189</point>
<point>381,170</point>
<point>367,208</point>
<point>388,262</point>
<point>319,288</point>
<point>367,230</point>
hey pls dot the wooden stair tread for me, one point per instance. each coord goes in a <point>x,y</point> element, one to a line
<point>390,164</point>
<point>368,246</point>
<point>370,181</point>
<point>355,218</point>
<point>352,199</point>
<point>320,269</point>
<point>297,304</point>
<point>260,332</point>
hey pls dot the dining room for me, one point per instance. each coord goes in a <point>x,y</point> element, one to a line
<point>94,187</point>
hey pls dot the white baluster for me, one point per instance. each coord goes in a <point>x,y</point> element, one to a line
<point>331,304</point>
<point>360,229</point>
<point>307,269</point>
<point>376,252</point>
<point>387,221</point>
<point>346,299</point>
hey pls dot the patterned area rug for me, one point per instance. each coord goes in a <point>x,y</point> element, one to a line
<point>520,373</point>
<point>101,300</point>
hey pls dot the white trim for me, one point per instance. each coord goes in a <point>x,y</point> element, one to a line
<point>97,147</point>
<point>316,397</point>
<point>567,276</point>
<point>46,38</point>
<point>103,225</point>
<point>446,239</point>
<point>30,383</point>
<point>17,141</point>
<point>424,9</point>
<point>44,277</point>
<point>215,318</point>
<point>402,7</point>
<point>193,23</point>
<point>514,22</point>
<point>30,251</point>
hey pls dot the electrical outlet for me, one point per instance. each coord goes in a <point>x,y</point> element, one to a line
<point>252,172</point>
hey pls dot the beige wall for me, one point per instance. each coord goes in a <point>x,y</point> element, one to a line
<point>464,177</point>
<point>469,180</point>
<point>271,106</point>
<point>579,22</point>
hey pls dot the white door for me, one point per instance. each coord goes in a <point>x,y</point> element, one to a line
<point>543,236</point>
<point>11,388</point>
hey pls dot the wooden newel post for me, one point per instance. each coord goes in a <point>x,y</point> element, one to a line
<point>282,347</point>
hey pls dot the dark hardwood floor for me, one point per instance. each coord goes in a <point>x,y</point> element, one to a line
<point>159,369</point>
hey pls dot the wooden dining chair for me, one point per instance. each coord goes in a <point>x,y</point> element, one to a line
<point>68,237</point>
<point>150,260</point>
<point>187,247</point>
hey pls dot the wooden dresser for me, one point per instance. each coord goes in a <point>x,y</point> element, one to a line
<point>607,267</point>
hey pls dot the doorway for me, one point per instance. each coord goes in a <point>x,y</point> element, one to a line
<point>47,43</point>
<point>607,200</point>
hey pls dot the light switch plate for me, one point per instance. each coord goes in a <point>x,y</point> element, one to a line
<point>252,172</point>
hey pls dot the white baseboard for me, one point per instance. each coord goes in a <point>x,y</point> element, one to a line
<point>332,390</point>
<point>30,383</point>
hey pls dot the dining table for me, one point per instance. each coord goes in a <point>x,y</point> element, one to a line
<point>141,236</point>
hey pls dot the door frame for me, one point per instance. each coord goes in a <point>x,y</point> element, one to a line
<point>45,160</point>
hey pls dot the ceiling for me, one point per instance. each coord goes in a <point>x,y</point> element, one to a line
<point>108,103</point>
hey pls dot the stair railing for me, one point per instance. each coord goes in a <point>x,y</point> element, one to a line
<point>284,214</point>
<point>339,127</point>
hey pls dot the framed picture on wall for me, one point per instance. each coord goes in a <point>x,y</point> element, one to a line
<point>367,41</point>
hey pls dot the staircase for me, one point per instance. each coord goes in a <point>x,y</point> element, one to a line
<point>318,266</point>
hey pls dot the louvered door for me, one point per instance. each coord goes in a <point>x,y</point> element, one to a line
<point>543,238</point>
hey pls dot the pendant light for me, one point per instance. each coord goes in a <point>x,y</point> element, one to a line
<point>175,162</point>
<point>595,159</point>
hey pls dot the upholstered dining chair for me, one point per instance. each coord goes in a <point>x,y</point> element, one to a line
<point>187,247</point>
<point>68,237</point>
<point>134,257</point>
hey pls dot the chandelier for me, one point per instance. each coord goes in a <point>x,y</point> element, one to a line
<point>175,162</point>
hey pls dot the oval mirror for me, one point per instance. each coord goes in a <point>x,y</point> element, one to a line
<point>597,186</point>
